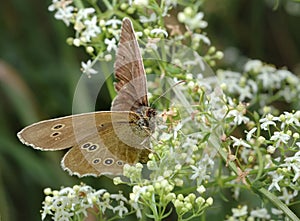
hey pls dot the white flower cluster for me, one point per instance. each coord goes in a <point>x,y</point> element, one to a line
<point>82,201</point>
<point>258,81</point>
<point>84,20</point>
<point>280,137</point>
<point>97,32</point>
<point>144,192</point>
<point>89,28</point>
<point>192,18</point>
<point>242,213</point>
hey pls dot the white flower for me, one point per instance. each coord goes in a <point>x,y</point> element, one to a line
<point>53,6</point>
<point>271,149</point>
<point>157,31</point>
<point>81,16</point>
<point>200,170</point>
<point>239,117</point>
<point>280,137</point>
<point>194,21</point>
<point>87,68</point>
<point>288,93</point>
<point>260,213</point>
<point>107,57</point>
<point>83,13</point>
<point>47,208</point>
<point>111,44</point>
<point>47,191</point>
<point>267,121</point>
<point>152,18</point>
<point>105,203</point>
<point>238,212</point>
<point>279,78</point>
<point>293,162</point>
<point>201,189</point>
<point>229,75</point>
<point>287,196</point>
<point>250,133</point>
<point>76,42</point>
<point>92,29</point>
<point>202,37</point>
<point>253,65</point>
<point>253,85</point>
<point>96,197</point>
<point>114,23</point>
<point>268,80</point>
<point>275,179</point>
<point>65,14</point>
<point>244,92</point>
<point>62,215</point>
<point>137,191</point>
<point>141,3</point>
<point>56,4</point>
<point>289,119</point>
<point>276,211</point>
<point>136,207</point>
<point>209,201</point>
<point>67,191</point>
<point>119,197</point>
<point>239,142</point>
<point>121,209</point>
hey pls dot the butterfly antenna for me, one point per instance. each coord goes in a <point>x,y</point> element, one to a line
<point>179,82</point>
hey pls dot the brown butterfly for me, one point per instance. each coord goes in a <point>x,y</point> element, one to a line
<point>102,142</point>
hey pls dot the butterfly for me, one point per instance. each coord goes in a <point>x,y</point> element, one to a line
<point>103,142</point>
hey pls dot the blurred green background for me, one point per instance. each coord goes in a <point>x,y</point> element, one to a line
<point>39,73</point>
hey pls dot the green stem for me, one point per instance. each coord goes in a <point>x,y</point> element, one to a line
<point>78,4</point>
<point>260,163</point>
<point>278,204</point>
<point>108,5</point>
<point>109,80</point>
<point>213,140</point>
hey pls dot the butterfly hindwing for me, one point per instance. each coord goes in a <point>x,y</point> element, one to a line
<point>91,158</point>
<point>107,151</point>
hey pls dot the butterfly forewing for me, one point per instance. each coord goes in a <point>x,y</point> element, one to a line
<point>130,73</point>
<point>63,132</point>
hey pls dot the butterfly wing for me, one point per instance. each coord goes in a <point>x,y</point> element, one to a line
<point>100,142</point>
<point>61,133</point>
<point>104,153</point>
<point>130,73</point>
<point>65,132</point>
